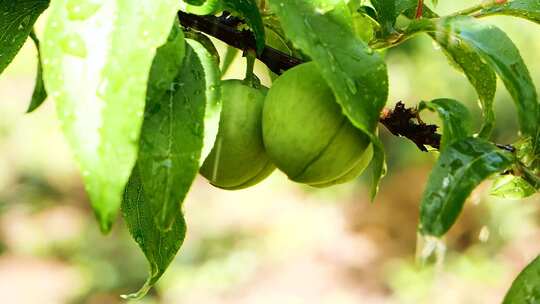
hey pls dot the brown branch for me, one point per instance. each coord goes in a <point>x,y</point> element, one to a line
<point>277,61</point>
<point>400,121</point>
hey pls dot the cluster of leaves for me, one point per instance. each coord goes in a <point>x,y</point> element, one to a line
<point>138,97</point>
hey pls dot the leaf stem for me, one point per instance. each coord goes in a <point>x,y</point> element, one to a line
<point>250,59</point>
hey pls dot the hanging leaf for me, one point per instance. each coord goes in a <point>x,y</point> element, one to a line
<point>526,9</point>
<point>498,51</point>
<point>40,94</point>
<point>16,21</point>
<point>460,168</point>
<point>174,131</point>
<point>248,10</point>
<point>480,74</point>
<point>212,110</point>
<point>356,74</point>
<point>526,287</point>
<point>158,246</point>
<point>97,56</point>
<point>457,121</point>
<point>179,123</point>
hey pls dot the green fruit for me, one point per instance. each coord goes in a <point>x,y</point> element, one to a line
<point>306,134</point>
<point>238,159</point>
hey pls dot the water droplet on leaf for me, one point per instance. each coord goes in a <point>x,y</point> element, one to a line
<point>74,45</point>
<point>79,10</point>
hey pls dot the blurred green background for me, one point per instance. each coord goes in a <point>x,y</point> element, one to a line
<point>277,242</point>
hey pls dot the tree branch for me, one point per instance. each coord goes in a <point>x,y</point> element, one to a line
<point>277,61</point>
<point>400,121</point>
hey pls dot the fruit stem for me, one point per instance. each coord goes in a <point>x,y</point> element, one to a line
<point>250,59</point>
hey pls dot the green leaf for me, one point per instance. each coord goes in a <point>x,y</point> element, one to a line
<point>159,247</point>
<point>426,12</point>
<point>96,61</point>
<point>497,50</point>
<point>201,7</point>
<point>363,25</point>
<point>179,123</point>
<point>511,187</point>
<point>16,21</point>
<point>480,74</point>
<point>356,74</point>
<point>386,12</point>
<point>526,9</point>
<point>212,90</point>
<point>173,135</point>
<point>460,168</point>
<point>526,287</point>
<point>528,152</point>
<point>40,94</point>
<point>249,11</point>
<point>457,122</point>
<point>389,10</point>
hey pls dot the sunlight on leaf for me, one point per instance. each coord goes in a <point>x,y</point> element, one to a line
<point>96,59</point>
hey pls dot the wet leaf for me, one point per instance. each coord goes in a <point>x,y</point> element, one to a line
<point>460,168</point>
<point>180,121</point>
<point>249,11</point>
<point>480,74</point>
<point>16,21</point>
<point>159,247</point>
<point>356,74</point>
<point>499,52</point>
<point>457,121</point>
<point>40,94</point>
<point>174,132</point>
<point>527,9</point>
<point>526,287</point>
<point>96,60</point>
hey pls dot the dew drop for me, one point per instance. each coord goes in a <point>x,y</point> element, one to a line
<point>483,236</point>
<point>167,163</point>
<point>430,249</point>
<point>81,10</point>
<point>74,45</point>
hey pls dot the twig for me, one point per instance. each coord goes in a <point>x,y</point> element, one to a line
<point>402,121</point>
<point>275,60</point>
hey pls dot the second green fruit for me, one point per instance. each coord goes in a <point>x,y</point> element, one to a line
<point>305,133</point>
